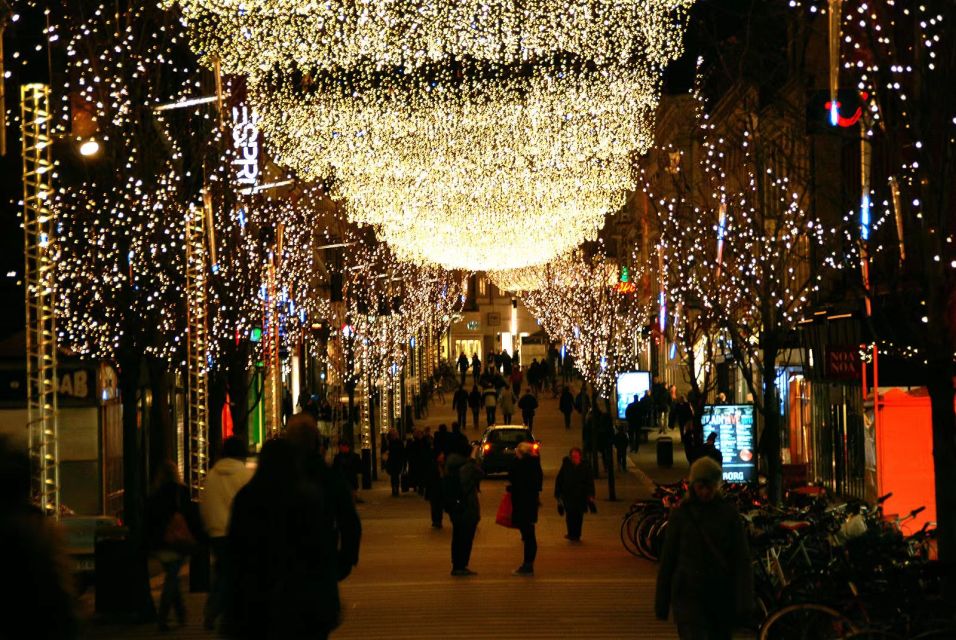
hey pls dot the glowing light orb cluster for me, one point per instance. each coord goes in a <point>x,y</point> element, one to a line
<point>472,134</point>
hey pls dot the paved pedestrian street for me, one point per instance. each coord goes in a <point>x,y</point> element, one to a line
<point>402,587</point>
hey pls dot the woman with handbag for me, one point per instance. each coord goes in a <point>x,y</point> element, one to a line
<point>525,488</point>
<point>574,490</point>
<point>174,529</point>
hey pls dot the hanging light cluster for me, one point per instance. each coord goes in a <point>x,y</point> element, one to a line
<point>470,134</point>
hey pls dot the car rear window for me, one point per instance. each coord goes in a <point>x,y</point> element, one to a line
<point>509,436</point>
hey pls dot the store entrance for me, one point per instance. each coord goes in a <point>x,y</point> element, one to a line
<point>469,347</point>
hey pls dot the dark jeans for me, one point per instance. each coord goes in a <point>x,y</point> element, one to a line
<point>567,420</point>
<point>474,414</point>
<point>436,504</point>
<point>528,419</point>
<point>622,458</point>
<point>530,544</point>
<point>463,375</point>
<point>507,418</point>
<point>517,390</point>
<point>491,411</point>
<point>574,520</point>
<point>462,539</point>
<point>395,478</point>
<point>221,577</point>
<point>463,418</point>
<point>171,595</point>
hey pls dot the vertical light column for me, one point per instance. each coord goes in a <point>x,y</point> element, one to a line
<point>40,291</point>
<point>197,383</point>
<point>272,394</point>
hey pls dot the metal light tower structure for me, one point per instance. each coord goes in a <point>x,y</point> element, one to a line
<point>39,288</point>
<point>197,349</point>
<point>272,392</point>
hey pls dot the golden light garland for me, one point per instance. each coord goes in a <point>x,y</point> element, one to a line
<point>247,36</point>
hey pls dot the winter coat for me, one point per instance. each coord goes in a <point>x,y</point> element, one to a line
<point>474,399</point>
<point>526,484</point>
<point>705,573</point>
<point>621,441</point>
<point>506,401</point>
<point>566,402</point>
<point>222,484</point>
<point>349,466</point>
<point>396,457</point>
<point>490,398</point>
<point>574,485</point>
<point>528,404</point>
<point>459,401</point>
<point>463,363</point>
<point>285,569</point>
<point>469,475</point>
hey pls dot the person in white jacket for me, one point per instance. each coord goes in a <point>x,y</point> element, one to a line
<point>223,482</point>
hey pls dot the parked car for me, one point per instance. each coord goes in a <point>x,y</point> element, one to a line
<point>496,449</point>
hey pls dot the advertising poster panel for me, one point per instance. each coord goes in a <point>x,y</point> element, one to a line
<point>734,426</point>
<point>630,384</point>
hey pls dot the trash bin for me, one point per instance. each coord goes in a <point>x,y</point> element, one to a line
<point>114,571</point>
<point>665,452</point>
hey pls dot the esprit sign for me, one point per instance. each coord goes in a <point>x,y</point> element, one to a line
<point>843,363</point>
<point>245,140</point>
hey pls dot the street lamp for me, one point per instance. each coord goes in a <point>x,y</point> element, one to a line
<point>89,148</point>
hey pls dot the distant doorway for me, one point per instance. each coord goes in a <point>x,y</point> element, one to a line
<point>469,347</point>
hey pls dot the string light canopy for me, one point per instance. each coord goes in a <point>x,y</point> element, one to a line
<point>450,125</point>
<point>248,36</point>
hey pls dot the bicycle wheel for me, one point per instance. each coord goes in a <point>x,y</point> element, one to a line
<point>642,535</point>
<point>806,622</point>
<point>656,537</point>
<point>627,533</point>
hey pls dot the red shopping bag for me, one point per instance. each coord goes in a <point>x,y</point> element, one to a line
<point>504,512</point>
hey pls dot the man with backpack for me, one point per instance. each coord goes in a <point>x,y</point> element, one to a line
<point>460,494</point>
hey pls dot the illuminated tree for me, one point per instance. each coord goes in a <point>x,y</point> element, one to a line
<point>903,57</point>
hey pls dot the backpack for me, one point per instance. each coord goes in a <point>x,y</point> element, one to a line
<point>453,498</point>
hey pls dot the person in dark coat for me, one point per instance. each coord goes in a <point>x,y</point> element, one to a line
<point>634,422</point>
<point>505,362</point>
<point>621,444</point>
<point>433,488</point>
<point>705,575</point>
<point>36,591</point>
<point>603,433</point>
<point>349,465</point>
<point>574,491</point>
<point>283,543</point>
<point>709,449</point>
<point>475,367</point>
<point>442,440</point>
<point>463,366</point>
<point>462,505</point>
<point>528,405</point>
<point>395,464</point>
<point>516,378</point>
<point>474,401</point>
<point>526,481</point>
<point>566,405</point>
<point>459,403</point>
<point>172,521</point>
<point>647,409</point>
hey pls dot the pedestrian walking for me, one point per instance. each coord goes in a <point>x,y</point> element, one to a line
<point>475,367</point>
<point>36,590</point>
<point>526,481</point>
<point>395,464</point>
<point>475,402</point>
<point>662,400</point>
<point>460,493</point>
<point>528,405</point>
<point>632,414</point>
<point>582,404</point>
<point>603,432</point>
<point>223,482</point>
<point>709,449</point>
<point>459,403</point>
<point>348,465</point>
<point>574,491</point>
<point>442,439</point>
<point>682,419</point>
<point>506,362</point>
<point>705,575</point>
<point>506,402</point>
<point>516,378</point>
<point>490,400</point>
<point>621,444</point>
<point>283,539</point>
<point>463,366</point>
<point>566,405</point>
<point>433,488</point>
<point>174,531</point>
